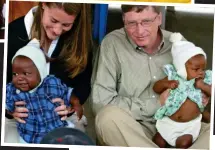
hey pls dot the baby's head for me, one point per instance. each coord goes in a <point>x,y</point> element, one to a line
<point>195,67</point>
<point>29,67</point>
<point>189,60</point>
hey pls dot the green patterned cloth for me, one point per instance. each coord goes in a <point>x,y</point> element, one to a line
<point>179,95</point>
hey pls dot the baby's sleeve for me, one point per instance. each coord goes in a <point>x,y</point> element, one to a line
<point>208,77</point>
<point>10,104</point>
<point>170,71</point>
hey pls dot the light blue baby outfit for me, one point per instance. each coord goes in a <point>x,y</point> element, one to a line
<point>179,95</point>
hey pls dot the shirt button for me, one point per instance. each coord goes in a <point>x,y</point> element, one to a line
<point>154,77</point>
<point>153,96</point>
<point>150,57</point>
<point>17,91</point>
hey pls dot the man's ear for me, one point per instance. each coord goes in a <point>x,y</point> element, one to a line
<point>160,18</point>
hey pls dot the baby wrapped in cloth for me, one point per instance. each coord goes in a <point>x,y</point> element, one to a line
<point>170,130</point>
<point>42,117</point>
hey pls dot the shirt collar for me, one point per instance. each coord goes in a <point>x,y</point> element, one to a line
<point>136,47</point>
<point>28,20</point>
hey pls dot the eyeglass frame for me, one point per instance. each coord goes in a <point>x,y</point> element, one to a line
<point>150,21</point>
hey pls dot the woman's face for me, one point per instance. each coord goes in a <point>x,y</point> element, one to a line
<point>56,21</point>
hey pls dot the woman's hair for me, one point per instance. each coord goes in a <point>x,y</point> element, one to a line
<point>77,41</point>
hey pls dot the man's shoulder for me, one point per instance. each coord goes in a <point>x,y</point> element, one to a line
<point>167,34</point>
<point>115,35</point>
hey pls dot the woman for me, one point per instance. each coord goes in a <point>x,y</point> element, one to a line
<point>64,31</point>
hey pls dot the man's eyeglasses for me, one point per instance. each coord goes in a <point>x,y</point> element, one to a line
<point>144,23</point>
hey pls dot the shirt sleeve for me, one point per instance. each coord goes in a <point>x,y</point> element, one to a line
<point>170,71</point>
<point>104,85</point>
<point>10,104</point>
<point>208,77</point>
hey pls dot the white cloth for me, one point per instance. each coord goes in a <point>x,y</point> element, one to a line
<point>182,51</point>
<point>32,50</point>
<point>171,130</point>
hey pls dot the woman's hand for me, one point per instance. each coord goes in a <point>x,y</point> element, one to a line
<point>20,112</point>
<point>61,110</point>
<point>77,107</point>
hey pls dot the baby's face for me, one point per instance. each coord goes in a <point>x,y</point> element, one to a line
<point>195,67</point>
<point>25,74</point>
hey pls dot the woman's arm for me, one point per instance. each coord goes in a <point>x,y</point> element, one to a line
<point>82,86</point>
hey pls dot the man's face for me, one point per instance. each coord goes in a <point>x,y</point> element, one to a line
<point>25,74</point>
<point>142,27</point>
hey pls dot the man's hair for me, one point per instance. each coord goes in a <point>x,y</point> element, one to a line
<point>139,8</point>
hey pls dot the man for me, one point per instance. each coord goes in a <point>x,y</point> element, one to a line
<point>129,63</point>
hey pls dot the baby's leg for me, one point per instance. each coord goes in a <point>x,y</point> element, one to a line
<point>158,140</point>
<point>206,116</point>
<point>184,141</point>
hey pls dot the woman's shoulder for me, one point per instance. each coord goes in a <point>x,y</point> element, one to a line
<point>17,23</point>
<point>17,35</point>
<point>16,29</point>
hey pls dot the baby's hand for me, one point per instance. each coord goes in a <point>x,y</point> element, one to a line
<point>205,99</point>
<point>173,84</point>
<point>199,83</point>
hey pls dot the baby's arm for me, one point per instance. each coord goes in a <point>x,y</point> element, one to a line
<point>206,88</point>
<point>161,85</point>
<point>205,113</point>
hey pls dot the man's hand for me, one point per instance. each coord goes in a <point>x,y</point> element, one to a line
<point>163,97</point>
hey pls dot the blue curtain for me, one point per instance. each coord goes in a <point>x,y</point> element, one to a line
<point>100,21</point>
